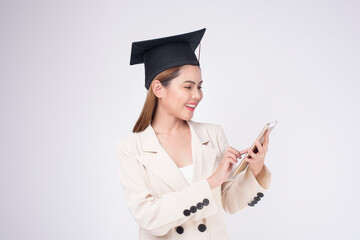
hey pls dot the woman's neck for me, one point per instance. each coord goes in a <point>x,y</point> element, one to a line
<point>168,125</point>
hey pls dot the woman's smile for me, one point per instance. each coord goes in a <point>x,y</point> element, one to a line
<point>191,106</point>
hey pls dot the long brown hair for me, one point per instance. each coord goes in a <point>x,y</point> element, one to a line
<point>151,101</point>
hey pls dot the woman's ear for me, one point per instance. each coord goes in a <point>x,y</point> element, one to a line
<point>157,88</point>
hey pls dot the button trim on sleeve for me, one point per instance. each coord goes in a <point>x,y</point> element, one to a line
<point>186,212</point>
<point>193,209</point>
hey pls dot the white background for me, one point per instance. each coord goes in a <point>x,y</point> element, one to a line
<point>68,94</point>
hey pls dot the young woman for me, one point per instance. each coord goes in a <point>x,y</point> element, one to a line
<point>175,171</point>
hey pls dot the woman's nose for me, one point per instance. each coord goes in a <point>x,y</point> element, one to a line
<point>197,95</point>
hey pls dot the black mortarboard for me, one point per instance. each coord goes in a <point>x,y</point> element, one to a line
<point>162,53</point>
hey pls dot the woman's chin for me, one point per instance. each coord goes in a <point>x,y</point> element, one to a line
<point>189,117</point>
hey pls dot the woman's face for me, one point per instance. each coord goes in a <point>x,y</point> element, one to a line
<point>184,93</point>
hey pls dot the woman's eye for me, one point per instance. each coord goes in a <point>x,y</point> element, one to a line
<point>190,87</point>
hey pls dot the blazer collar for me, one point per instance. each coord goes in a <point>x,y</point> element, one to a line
<point>159,162</point>
<point>150,142</point>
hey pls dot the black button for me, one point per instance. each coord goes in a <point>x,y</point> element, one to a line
<point>251,204</point>
<point>206,201</point>
<point>254,202</point>
<point>186,212</point>
<point>180,230</point>
<point>202,227</point>
<point>199,205</point>
<point>257,198</point>
<point>260,194</point>
<point>193,209</point>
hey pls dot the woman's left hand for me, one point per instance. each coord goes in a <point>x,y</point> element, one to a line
<point>256,162</point>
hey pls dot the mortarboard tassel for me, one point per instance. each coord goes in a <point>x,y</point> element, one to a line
<point>199,52</point>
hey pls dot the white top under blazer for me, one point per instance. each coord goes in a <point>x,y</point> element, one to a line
<point>187,172</point>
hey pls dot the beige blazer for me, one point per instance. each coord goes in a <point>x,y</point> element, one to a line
<point>163,203</point>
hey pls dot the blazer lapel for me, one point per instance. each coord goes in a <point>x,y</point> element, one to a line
<point>204,156</point>
<point>158,161</point>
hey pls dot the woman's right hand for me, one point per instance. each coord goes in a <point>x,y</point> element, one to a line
<point>224,169</point>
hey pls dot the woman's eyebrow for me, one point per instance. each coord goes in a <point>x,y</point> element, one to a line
<point>192,81</point>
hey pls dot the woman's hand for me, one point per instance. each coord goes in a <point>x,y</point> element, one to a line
<point>224,169</point>
<point>256,162</point>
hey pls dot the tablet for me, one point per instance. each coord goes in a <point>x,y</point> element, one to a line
<point>243,164</point>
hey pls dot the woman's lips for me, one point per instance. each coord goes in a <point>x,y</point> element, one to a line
<point>190,108</point>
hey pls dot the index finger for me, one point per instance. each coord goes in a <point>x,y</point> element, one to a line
<point>244,151</point>
<point>236,152</point>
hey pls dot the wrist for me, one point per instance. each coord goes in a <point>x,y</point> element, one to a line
<point>211,182</point>
<point>259,173</point>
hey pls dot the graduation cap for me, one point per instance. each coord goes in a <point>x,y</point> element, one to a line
<point>163,53</point>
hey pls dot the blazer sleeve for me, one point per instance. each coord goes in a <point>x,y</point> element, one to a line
<point>244,189</point>
<point>159,215</point>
